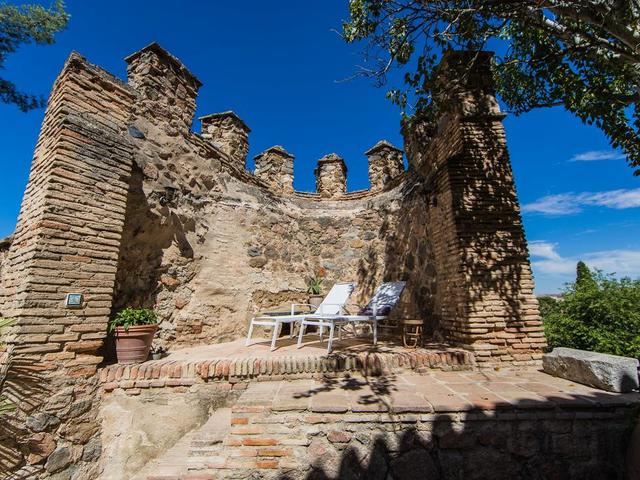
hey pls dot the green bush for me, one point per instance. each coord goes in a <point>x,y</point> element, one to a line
<point>133,316</point>
<point>598,313</point>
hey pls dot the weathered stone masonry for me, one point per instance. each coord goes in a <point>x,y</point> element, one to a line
<point>485,289</point>
<point>67,240</point>
<point>129,207</point>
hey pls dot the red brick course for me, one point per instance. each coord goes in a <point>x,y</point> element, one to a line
<point>166,373</point>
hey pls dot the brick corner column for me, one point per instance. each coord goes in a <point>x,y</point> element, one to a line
<point>485,299</point>
<point>67,241</point>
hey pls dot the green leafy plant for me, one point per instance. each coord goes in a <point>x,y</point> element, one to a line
<point>598,312</point>
<point>130,317</point>
<point>314,285</point>
<point>22,25</point>
<point>6,405</point>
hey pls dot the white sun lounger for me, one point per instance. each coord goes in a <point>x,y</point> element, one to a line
<point>383,301</point>
<point>333,304</point>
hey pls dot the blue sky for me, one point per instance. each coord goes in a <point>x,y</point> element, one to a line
<point>280,66</point>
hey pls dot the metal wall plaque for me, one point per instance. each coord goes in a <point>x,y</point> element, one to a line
<point>74,300</point>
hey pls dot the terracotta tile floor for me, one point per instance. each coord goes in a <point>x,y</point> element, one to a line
<point>437,391</point>
<point>288,347</point>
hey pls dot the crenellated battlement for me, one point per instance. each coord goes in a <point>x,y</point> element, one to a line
<point>167,95</point>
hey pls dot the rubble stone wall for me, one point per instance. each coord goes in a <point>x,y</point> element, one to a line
<point>531,443</point>
<point>305,437</point>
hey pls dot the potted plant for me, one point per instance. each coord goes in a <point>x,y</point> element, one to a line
<point>314,287</point>
<point>133,329</point>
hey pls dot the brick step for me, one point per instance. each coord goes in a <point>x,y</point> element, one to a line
<point>204,451</point>
<point>205,442</point>
<point>177,462</point>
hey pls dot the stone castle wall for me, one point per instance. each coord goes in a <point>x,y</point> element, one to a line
<point>128,207</point>
<point>208,244</point>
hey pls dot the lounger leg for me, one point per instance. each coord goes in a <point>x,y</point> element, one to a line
<point>301,333</point>
<point>321,332</point>
<point>330,342</point>
<point>249,334</point>
<point>375,332</point>
<point>276,332</point>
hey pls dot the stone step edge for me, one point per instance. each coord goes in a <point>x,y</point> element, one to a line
<point>168,373</point>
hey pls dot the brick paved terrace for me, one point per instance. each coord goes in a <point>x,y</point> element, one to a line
<point>456,391</point>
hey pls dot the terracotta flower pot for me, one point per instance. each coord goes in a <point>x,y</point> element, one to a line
<point>133,346</point>
<point>315,300</point>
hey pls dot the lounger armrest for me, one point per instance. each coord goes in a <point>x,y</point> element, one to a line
<point>294,305</point>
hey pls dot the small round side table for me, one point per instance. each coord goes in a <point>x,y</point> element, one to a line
<point>412,333</point>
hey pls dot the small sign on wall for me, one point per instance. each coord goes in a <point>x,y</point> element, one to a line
<point>74,300</point>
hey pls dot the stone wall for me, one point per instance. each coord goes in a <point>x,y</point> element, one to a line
<point>243,254</point>
<point>393,426</point>
<point>66,241</point>
<point>331,176</point>
<point>591,444</point>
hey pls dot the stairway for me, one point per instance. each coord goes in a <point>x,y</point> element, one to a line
<point>248,440</point>
<point>195,451</point>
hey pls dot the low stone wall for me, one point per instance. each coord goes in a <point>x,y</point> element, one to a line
<point>489,425</point>
<point>230,373</point>
<point>584,444</point>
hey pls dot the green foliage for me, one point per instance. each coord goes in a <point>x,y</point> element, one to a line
<point>314,284</point>
<point>129,317</point>
<point>582,54</point>
<point>584,277</point>
<point>314,287</point>
<point>6,405</point>
<point>23,25</point>
<point>598,313</point>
